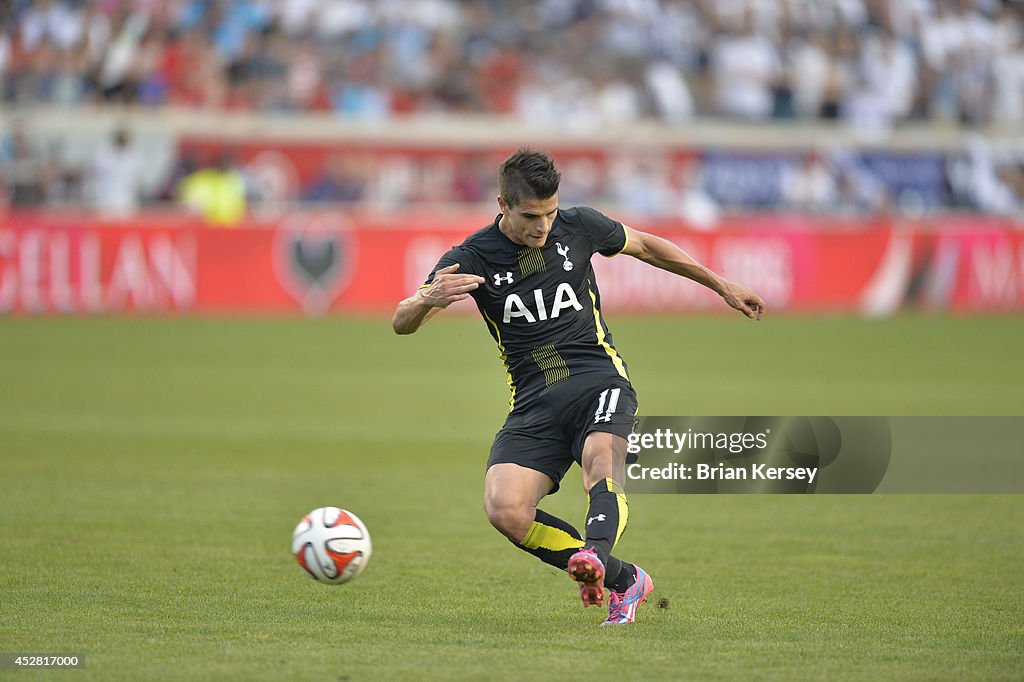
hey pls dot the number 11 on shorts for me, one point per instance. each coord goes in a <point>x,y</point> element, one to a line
<point>603,415</point>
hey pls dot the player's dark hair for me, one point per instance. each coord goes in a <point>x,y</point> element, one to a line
<point>528,174</point>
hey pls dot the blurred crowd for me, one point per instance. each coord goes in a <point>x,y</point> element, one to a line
<point>578,63</point>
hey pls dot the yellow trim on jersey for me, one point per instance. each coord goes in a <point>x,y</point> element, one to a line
<point>625,231</point>
<point>616,360</point>
<point>504,359</point>
<point>540,536</point>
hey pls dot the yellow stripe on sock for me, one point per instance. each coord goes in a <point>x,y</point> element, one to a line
<point>545,537</point>
<point>614,487</point>
<point>620,498</point>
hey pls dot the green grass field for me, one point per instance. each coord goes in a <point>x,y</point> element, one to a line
<point>152,471</point>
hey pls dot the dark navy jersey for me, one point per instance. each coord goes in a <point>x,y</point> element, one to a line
<point>542,306</point>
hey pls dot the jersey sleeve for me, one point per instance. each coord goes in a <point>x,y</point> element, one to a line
<point>609,236</point>
<point>454,255</point>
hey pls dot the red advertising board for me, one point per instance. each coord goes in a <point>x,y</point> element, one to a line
<point>316,263</point>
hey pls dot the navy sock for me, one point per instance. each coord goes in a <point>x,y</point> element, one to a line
<point>551,540</point>
<point>606,521</point>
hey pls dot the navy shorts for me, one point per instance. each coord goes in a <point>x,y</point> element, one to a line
<point>548,434</point>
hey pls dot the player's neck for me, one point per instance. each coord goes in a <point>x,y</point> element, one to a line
<point>503,227</point>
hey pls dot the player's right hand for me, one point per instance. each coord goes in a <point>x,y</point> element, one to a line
<point>449,287</point>
<point>743,299</point>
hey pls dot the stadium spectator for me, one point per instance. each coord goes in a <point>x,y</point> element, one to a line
<point>216,192</point>
<point>1008,67</point>
<point>986,179</point>
<point>474,180</point>
<point>1012,175</point>
<point>808,65</point>
<point>150,78</point>
<point>340,181</point>
<point>746,68</point>
<point>196,73</point>
<point>168,190</point>
<point>6,21</point>
<point>673,100</point>
<point>24,170</point>
<point>258,73</point>
<point>810,186</point>
<point>885,89</point>
<point>50,22</point>
<point>696,206</point>
<point>858,191</point>
<point>841,74</point>
<point>641,185</point>
<point>303,85</point>
<point>68,86</point>
<point>115,178</point>
<point>356,93</point>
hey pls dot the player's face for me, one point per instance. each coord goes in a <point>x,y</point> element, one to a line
<point>529,221</point>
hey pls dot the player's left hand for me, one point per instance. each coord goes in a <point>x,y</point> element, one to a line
<point>743,300</point>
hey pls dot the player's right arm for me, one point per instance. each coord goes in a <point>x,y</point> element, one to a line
<point>663,254</point>
<point>446,288</point>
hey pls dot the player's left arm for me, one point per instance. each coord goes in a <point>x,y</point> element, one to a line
<point>663,254</point>
<point>446,287</point>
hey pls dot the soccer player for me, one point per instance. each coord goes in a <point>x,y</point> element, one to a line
<point>530,275</point>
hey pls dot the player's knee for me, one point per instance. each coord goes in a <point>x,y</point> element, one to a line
<point>511,518</point>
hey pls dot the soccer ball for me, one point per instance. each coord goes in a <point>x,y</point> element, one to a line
<point>331,544</point>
